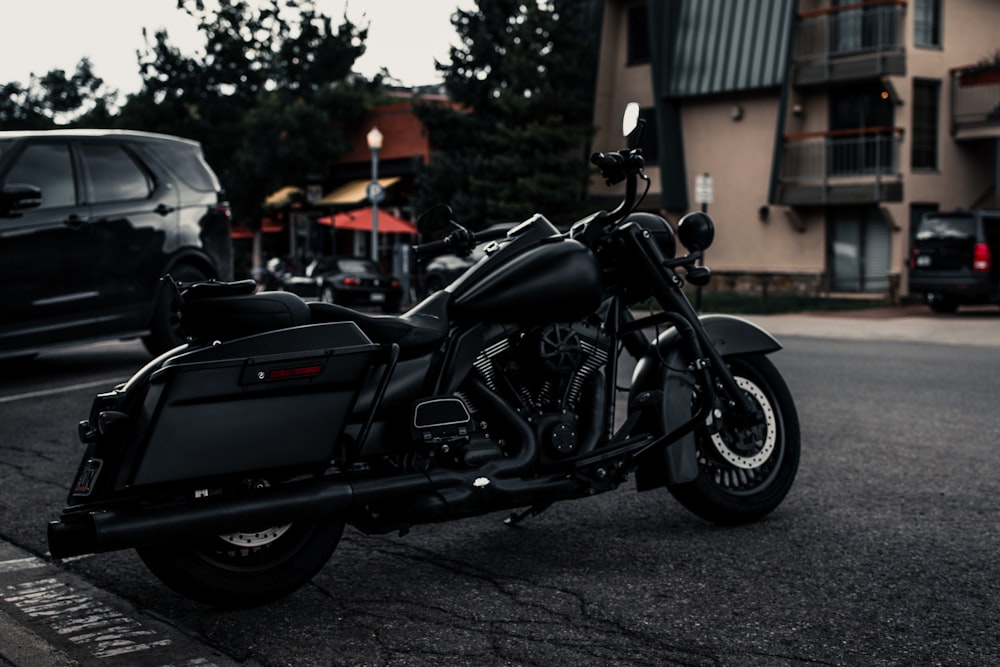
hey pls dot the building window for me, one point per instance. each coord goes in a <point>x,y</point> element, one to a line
<point>926,106</point>
<point>927,23</point>
<point>862,140</point>
<point>638,35</point>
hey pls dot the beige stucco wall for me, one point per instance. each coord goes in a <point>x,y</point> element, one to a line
<point>739,153</point>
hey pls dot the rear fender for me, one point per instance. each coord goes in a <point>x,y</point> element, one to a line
<point>664,366</point>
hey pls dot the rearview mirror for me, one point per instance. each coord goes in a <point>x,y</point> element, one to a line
<point>630,119</point>
<point>17,196</point>
<point>437,222</point>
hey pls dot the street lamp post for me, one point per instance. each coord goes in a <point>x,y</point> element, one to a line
<point>374,191</point>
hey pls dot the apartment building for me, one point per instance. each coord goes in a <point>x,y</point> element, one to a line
<point>827,126</point>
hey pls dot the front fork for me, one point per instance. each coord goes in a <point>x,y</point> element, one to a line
<point>668,287</point>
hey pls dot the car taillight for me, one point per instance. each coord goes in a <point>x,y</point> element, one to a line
<point>981,258</point>
<point>223,210</point>
<point>913,257</point>
<point>353,282</point>
<point>395,284</point>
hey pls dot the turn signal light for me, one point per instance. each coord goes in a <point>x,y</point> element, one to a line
<point>981,258</point>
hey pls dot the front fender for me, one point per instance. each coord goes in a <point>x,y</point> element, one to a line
<point>664,366</point>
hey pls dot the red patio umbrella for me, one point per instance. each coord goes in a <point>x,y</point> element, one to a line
<point>361,219</point>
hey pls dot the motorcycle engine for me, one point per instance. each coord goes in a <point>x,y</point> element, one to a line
<point>552,373</point>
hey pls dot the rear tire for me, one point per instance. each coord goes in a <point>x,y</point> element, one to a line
<point>165,329</point>
<point>246,569</point>
<point>745,473</point>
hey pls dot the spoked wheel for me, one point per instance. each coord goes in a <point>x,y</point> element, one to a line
<point>745,471</point>
<point>246,568</point>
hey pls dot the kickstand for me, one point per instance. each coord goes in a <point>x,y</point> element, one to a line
<point>517,517</point>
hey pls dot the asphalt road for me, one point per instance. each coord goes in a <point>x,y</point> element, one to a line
<point>884,553</point>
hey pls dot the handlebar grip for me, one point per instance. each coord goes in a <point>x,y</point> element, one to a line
<point>604,160</point>
<point>432,248</point>
<point>612,166</point>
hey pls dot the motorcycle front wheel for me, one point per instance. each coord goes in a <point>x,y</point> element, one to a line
<point>745,471</point>
<point>248,568</point>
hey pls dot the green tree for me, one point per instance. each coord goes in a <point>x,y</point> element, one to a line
<point>267,98</point>
<point>56,99</point>
<point>525,73</point>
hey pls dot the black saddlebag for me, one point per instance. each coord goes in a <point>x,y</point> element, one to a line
<point>275,400</point>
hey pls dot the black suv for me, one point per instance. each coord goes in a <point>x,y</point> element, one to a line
<point>90,221</point>
<point>955,259</point>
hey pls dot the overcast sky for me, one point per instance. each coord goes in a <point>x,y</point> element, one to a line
<point>405,36</point>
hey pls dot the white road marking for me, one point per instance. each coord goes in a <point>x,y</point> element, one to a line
<point>18,564</point>
<point>60,390</point>
<point>82,619</point>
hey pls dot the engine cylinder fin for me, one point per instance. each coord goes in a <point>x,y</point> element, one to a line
<point>595,357</point>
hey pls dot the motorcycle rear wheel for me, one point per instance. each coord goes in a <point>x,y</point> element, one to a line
<point>744,473</point>
<point>246,569</point>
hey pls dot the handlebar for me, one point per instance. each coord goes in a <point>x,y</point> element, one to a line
<point>459,240</point>
<point>625,165</point>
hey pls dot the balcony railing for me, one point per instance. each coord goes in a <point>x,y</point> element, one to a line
<point>853,166</point>
<point>850,42</point>
<point>975,101</point>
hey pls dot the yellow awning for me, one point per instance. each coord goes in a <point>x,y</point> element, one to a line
<point>353,192</point>
<point>282,197</point>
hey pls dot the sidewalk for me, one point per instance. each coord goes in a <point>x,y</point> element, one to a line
<point>979,326</point>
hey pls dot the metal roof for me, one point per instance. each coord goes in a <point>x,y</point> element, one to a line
<point>723,46</point>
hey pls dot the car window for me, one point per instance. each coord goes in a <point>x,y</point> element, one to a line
<point>114,175</point>
<point>48,167</point>
<point>991,228</point>
<point>187,162</point>
<point>952,227</point>
<point>353,265</point>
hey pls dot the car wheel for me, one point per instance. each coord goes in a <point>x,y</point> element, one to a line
<point>942,303</point>
<point>165,328</point>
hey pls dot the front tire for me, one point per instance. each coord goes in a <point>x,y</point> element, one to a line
<point>744,473</point>
<point>246,569</point>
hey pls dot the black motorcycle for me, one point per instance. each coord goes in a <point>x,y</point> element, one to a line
<point>233,463</point>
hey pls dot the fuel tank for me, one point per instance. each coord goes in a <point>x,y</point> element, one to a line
<point>533,277</point>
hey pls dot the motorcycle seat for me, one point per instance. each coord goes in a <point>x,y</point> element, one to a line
<point>424,326</point>
<point>224,311</point>
<point>217,315</point>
